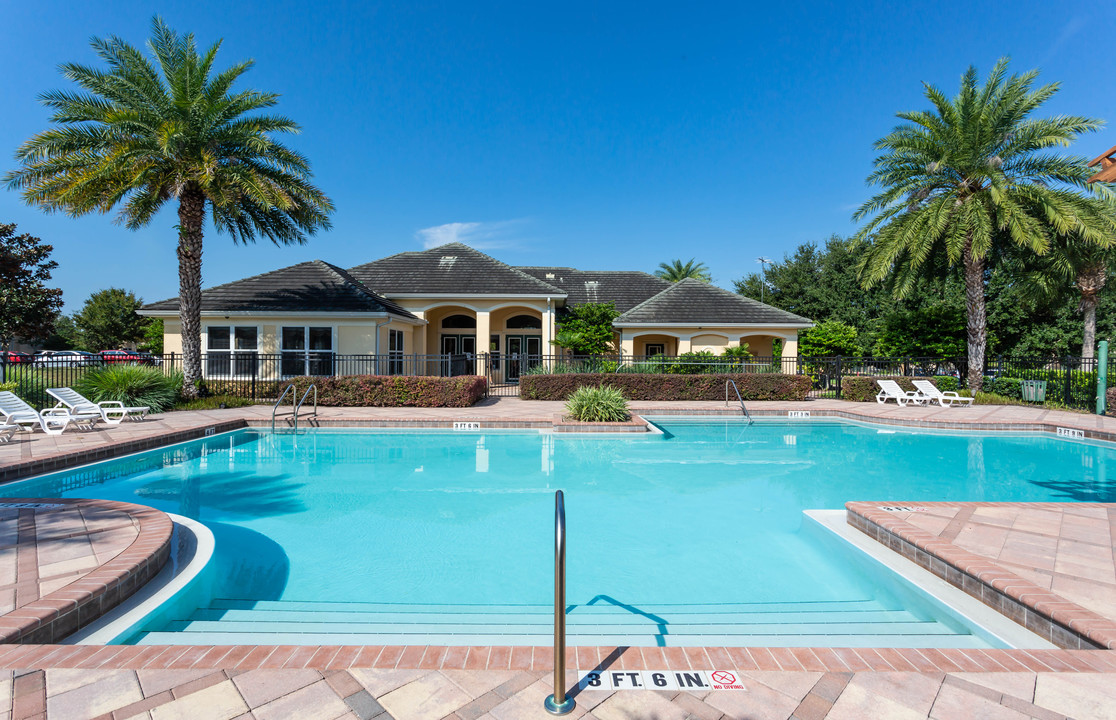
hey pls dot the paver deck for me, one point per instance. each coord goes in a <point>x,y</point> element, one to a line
<point>1065,549</point>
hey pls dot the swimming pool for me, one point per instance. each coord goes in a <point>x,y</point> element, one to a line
<point>447,537</point>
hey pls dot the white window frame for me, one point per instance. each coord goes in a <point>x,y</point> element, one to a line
<point>305,352</point>
<point>395,356</point>
<point>231,350</point>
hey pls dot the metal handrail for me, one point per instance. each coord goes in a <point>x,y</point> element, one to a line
<point>738,397</point>
<point>298,407</point>
<point>275,408</point>
<point>559,703</point>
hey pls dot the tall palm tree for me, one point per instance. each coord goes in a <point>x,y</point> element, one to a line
<point>676,270</point>
<point>151,130</point>
<point>1077,267</point>
<point>970,178</point>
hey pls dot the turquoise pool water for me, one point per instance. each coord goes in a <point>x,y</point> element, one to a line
<point>708,513</point>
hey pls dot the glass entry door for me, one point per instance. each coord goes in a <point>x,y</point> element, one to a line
<point>522,352</point>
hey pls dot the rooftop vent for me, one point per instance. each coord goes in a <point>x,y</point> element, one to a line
<point>550,276</point>
<point>447,260</point>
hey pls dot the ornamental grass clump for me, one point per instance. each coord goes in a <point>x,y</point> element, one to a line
<point>598,404</point>
<point>133,385</point>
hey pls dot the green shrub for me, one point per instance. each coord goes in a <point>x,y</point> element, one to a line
<point>1110,401</point>
<point>598,404</point>
<point>394,390</point>
<point>1005,387</point>
<point>641,386</point>
<point>131,385</point>
<point>858,388</point>
<point>214,402</point>
<point>8,386</point>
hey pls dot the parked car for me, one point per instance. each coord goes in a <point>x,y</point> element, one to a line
<point>148,359</point>
<point>122,357</point>
<point>66,358</point>
<point>15,357</point>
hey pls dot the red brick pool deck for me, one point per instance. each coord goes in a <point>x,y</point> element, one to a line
<point>1059,557</point>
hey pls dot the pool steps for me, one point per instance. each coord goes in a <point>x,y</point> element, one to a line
<point>864,623</point>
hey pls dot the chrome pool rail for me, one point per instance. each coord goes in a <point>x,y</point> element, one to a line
<point>559,703</point>
<point>737,390</point>
<point>291,389</point>
<point>296,404</point>
<point>298,407</point>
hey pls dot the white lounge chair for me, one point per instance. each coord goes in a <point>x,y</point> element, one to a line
<point>890,390</point>
<point>112,412</point>
<point>53,421</point>
<point>931,394</point>
<point>6,431</point>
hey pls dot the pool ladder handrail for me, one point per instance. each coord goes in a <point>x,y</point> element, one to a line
<point>738,397</point>
<point>295,406</point>
<point>293,391</point>
<point>559,703</point>
<point>298,407</point>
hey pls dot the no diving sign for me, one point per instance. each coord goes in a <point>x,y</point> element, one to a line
<point>661,680</point>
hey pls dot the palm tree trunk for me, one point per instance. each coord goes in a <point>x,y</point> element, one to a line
<point>977,325</point>
<point>191,218</point>
<point>1089,308</point>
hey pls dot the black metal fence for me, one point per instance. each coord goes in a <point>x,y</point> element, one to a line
<point>1067,381</point>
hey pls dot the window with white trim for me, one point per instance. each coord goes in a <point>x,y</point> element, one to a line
<point>306,350</point>
<point>232,351</point>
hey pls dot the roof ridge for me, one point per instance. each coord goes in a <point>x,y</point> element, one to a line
<point>515,270</point>
<point>361,288</point>
<point>689,282</point>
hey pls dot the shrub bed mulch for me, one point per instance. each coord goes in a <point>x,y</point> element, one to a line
<point>865,389</point>
<point>395,390</point>
<point>766,386</point>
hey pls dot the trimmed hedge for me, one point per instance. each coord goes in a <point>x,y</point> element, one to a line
<point>764,386</point>
<point>865,389</point>
<point>394,390</point>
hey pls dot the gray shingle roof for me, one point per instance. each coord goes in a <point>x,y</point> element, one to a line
<point>450,268</point>
<point>314,286</point>
<point>694,301</point>
<point>625,288</point>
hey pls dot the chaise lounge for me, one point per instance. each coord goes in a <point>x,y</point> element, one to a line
<point>53,421</point>
<point>890,390</point>
<point>112,412</point>
<point>931,394</point>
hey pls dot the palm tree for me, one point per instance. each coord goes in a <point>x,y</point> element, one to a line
<point>970,178</point>
<point>1077,267</point>
<point>677,270</point>
<point>149,130</point>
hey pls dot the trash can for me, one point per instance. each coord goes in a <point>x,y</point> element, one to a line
<point>1033,390</point>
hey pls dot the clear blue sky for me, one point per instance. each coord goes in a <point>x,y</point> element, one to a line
<point>596,135</point>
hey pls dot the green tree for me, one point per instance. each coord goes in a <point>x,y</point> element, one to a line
<point>108,319</point>
<point>676,270</point>
<point>936,331</point>
<point>1073,269</point>
<point>152,337</point>
<point>587,329</point>
<point>28,308</point>
<point>65,335</point>
<point>970,178</point>
<point>828,339</point>
<point>151,130</point>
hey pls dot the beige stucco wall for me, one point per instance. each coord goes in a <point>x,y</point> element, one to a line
<point>714,339</point>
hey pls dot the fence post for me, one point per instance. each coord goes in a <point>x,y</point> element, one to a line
<point>1068,388</point>
<point>839,377</point>
<point>255,372</point>
<point>4,366</point>
<point>1102,376</point>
